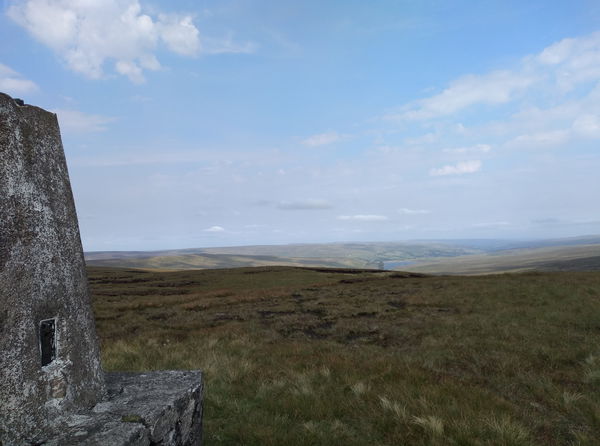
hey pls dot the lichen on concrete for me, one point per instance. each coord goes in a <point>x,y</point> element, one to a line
<point>52,388</point>
<point>42,276</point>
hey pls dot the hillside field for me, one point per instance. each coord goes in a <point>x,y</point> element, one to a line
<point>329,255</point>
<point>314,356</point>
<point>435,257</point>
<point>553,258</point>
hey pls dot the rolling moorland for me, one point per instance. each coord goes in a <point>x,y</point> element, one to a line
<point>554,258</point>
<point>317,356</point>
<point>334,255</point>
<point>438,256</point>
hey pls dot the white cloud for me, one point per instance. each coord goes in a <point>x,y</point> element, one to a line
<point>558,106</point>
<point>304,205</point>
<point>322,139</point>
<point>584,126</point>
<point>130,69</point>
<point>477,148</point>
<point>86,34</point>
<point>362,217</point>
<point>587,126</point>
<point>427,138</point>
<point>74,121</point>
<point>180,34</point>
<point>561,66</point>
<point>226,45</point>
<point>541,139</point>
<point>457,169</point>
<point>12,82</point>
<point>497,87</point>
<point>90,34</point>
<point>575,118</point>
<point>406,211</point>
<point>573,60</point>
<point>215,229</point>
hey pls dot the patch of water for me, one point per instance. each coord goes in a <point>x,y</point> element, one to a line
<point>393,264</point>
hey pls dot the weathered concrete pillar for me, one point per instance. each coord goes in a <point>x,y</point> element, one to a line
<point>49,359</point>
<point>52,389</point>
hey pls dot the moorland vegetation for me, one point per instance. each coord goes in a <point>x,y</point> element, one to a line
<point>302,356</point>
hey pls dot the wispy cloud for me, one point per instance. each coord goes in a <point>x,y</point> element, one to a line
<point>497,87</point>
<point>88,35</point>
<point>406,211</point>
<point>226,45</point>
<point>541,139</point>
<point>13,83</point>
<point>558,68</point>
<point>74,121</point>
<point>587,126</point>
<point>457,169</point>
<point>576,120</point>
<point>363,217</point>
<point>304,205</point>
<point>573,60</point>
<point>322,139</point>
<point>477,148</point>
<point>215,229</point>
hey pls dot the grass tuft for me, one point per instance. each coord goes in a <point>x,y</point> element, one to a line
<point>430,424</point>
<point>394,407</point>
<point>508,431</point>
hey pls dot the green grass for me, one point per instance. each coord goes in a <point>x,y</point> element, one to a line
<point>314,357</point>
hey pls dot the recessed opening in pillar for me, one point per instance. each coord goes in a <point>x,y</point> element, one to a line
<point>48,341</point>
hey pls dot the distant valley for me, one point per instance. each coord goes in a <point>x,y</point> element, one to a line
<point>470,256</point>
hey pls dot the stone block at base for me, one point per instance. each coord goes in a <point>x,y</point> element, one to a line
<point>142,409</point>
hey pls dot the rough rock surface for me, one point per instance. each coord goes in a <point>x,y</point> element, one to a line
<point>142,409</point>
<point>42,276</point>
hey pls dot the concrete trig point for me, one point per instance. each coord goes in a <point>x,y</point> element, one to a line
<point>52,387</point>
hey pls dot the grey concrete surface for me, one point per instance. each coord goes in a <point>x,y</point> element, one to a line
<point>52,387</point>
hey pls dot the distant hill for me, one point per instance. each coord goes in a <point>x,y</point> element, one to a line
<point>432,256</point>
<point>548,258</point>
<point>490,245</point>
<point>211,261</point>
<point>344,255</point>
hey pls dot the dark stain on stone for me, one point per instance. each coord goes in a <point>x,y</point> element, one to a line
<point>3,323</point>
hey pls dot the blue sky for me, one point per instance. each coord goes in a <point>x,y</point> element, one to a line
<point>216,123</point>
